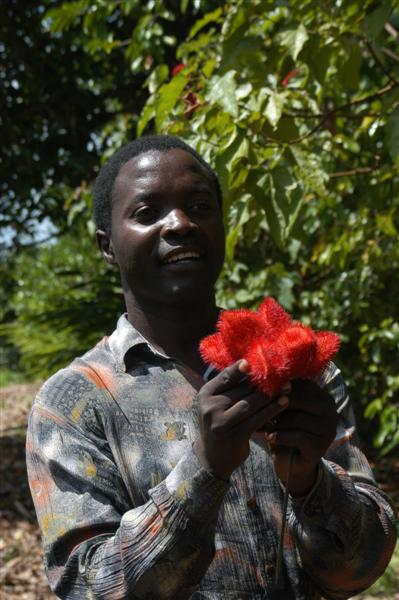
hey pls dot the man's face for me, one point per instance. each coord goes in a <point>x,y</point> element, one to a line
<point>167,232</point>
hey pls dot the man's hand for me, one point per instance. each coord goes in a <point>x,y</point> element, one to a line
<point>308,425</point>
<point>230,410</point>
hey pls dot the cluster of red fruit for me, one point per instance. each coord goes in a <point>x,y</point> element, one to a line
<point>277,349</point>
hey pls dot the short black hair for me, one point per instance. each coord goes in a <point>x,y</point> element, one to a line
<point>102,195</point>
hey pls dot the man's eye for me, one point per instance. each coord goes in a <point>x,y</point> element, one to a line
<point>145,213</point>
<point>201,205</point>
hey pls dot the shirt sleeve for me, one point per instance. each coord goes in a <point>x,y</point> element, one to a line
<point>345,527</point>
<point>99,546</point>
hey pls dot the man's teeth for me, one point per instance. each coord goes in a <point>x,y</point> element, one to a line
<point>182,256</point>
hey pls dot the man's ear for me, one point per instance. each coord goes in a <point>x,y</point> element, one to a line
<point>105,244</point>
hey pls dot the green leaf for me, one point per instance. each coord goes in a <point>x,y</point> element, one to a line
<point>238,165</point>
<point>385,223</point>
<point>168,96</point>
<point>64,16</point>
<point>288,195</point>
<point>297,202</point>
<point>236,18</point>
<point>274,215</point>
<point>241,152</point>
<point>128,6</point>
<point>294,40</point>
<point>222,91</point>
<point>206,19</point>
<point>209,67</point>
<point>274,107</point>
<point>349,71</point>
<point>286,130</point>
<point>243,52</point>
<point>319,59</point>
<point>231,242</point>
<point>147,114</point>
<point>244,90</point>
<point>158,76</point>
<point>225,156</point>
<point>373,408</point>
<point>309,170</point>
<point>261,187</point>
<point>392,135</point>
<point>233,235</point>
<point>184,5</point>
<point>375,21</point>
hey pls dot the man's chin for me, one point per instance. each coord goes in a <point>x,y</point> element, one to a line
<point>181,294</point>
<point>181,289</point>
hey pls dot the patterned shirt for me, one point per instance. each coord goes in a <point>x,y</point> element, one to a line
<point>127,512</point>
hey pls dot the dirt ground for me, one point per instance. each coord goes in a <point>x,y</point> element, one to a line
<point>21,575</point>
<point>21,572</point>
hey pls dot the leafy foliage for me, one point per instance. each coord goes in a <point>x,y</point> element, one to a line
<point>61,315</point>
<point>72,81</point>
<point>297,108</point>
<point>55,100</point>
<point>296,105</point>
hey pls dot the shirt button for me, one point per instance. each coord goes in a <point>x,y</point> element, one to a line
<point>251,503</point>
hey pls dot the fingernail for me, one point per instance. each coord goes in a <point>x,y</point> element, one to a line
<point>243,366</point>
<point>283,400</point>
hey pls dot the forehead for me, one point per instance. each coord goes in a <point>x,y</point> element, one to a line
<point>162,169</point>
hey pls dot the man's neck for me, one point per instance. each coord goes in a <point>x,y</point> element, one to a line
<point>175,330</point>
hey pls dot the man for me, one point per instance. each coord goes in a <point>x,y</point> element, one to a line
<point>151,483</point>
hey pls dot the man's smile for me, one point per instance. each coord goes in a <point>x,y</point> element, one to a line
<point>181,255</point>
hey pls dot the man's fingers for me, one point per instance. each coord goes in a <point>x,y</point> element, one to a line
<point>245,419</point>
<point>228,378</point>
<point>242,391</point>
<point>244,408</point>
<point>286,389</point>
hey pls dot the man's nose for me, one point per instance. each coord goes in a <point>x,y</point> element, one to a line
<point>179,222</point>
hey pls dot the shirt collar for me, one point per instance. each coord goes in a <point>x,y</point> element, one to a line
<point>124,338</point>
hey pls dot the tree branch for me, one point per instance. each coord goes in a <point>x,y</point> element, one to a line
<point>327,115</point>
<point>352,172</point>
<point>303,137</point>
<point>390,53</point>
<point>306,115</point>
<point>391,30</point>
<point>370,98</point>
<point>357,171</point>
<point>309,115</point>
